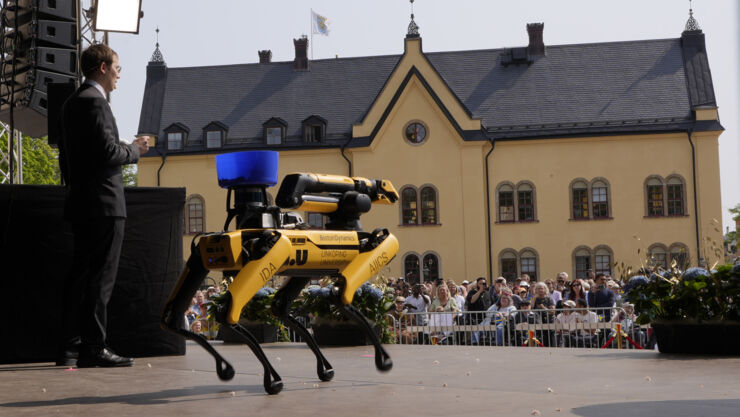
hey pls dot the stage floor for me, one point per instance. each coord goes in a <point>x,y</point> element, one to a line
<point>425,381</point>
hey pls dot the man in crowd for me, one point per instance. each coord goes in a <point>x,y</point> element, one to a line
<point>479,299</point>
<point>91,157</point>
<point>601,297</point>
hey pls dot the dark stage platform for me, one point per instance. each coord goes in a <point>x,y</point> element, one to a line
<point>425,381</point>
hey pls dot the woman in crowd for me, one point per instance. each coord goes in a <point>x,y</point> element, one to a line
<point>443,301</point>
<point>555,295</point>
<point>499,314</point>
<point>576,290</point>
<point>542,301</point>
<point>459,299</point>
<point>568,320</point>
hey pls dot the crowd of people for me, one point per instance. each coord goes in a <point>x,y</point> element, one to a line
<point>576,302</point>
<point>196,316</point>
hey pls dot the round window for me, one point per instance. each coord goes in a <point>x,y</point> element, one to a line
<point>415,132</point>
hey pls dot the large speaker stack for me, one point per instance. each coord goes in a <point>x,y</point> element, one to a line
<point>39,38</point>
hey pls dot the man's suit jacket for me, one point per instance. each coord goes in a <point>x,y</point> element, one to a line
<point>91,157</point>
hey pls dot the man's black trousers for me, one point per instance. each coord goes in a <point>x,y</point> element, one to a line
<point>97,249</point>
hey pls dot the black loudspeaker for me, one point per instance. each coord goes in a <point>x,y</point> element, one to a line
<point>43,50</point>
<point>57,94</point>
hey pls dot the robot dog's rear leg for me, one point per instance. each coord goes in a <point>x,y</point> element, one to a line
<point>272,382</point>
<point>383,361</point>
<point>281,308</point>
<point>173,315</point>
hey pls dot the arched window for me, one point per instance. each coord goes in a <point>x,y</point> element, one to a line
<point>589,200</point>
<point>679,256</point>
<point>516,203</point>
<point>428,205</point>
<point>194,214</point>
<point>408,206</point>
<point>411,268</point>
<point>675,194</point>
<point>505,203</point>
<point>528,262</point>
<point>430,267</point>
<point>508,264</point>
<point>600,199</point>
<point>603,260</point>
<point>582,262</point>
<point>579,199</point>
<point>525,202</point>
<point>657,254</point>
<point>654,190</point>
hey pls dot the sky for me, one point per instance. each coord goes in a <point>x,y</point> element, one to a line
<point>220,32</point>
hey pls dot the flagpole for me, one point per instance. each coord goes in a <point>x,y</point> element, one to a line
<point>310,27</point>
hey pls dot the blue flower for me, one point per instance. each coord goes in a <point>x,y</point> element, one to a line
<point>634,282</point>
<point>324,292</point>
<point>694,273</point>
<point>264,292</point>
<point>313,290</point>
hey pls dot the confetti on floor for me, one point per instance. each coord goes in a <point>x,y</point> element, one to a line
<point>368,356</point>
<point>536,412</point>
<point>549,389</point>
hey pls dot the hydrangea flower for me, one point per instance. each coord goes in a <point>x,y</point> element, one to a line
<point>694,273</point>
<point>264,292</point>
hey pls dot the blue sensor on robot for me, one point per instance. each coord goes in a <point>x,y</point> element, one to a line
<point>247,168</point>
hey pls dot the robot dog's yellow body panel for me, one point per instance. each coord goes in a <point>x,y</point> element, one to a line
<point>296,252</point>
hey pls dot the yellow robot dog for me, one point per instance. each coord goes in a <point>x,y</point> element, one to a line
<point>269,242</point>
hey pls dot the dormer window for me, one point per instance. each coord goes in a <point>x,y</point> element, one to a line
<point>215,134</point>
<point>177,136</point>
<point>275,131</point>
<point>314,129</point>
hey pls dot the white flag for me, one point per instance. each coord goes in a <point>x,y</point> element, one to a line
<point>319,24</point>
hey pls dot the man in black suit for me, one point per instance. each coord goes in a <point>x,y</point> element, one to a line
<point>91,157</point>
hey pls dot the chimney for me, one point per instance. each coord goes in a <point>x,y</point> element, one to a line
<point>536,45</point>
<point>300,63</point>
<point>265,56</point>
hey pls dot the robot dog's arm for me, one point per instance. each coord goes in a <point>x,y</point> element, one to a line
<point>320,193</point>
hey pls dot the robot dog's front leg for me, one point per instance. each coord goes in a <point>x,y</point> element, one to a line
<point>281,308</point>
<point>379,249</point>
<point>173,315</point>
<point>267,252</point>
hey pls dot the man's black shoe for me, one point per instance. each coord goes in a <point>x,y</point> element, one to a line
<point>103,358</point>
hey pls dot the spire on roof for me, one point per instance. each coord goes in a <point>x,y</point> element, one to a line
<point>691,24</point>
<point>413,31</point>
<point>157,55</point>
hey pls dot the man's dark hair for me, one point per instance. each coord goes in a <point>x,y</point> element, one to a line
<point>600,275</point>
<point>581,303</point>
<point>480,278</point>
<point>501,280</point>
<point>95,55</point>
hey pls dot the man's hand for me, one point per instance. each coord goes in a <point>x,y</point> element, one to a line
<point>142,142</point>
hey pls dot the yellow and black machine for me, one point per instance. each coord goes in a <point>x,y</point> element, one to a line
<point>269,242</point>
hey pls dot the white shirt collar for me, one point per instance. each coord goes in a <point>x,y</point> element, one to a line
<point>96,85</point>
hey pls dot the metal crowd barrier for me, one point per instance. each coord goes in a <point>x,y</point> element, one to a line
<point>591,328</point>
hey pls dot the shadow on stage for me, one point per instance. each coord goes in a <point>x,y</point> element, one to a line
<point>714,408</point>
<point>168,396</point>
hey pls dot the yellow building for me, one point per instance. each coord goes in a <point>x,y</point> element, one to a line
<point>536,159</point>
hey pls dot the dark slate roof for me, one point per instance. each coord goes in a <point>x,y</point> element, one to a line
<point>634,86</point>
<point>572,83</point>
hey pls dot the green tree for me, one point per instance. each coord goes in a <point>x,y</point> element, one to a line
<point>130,176</point>
<point>735,212</point>
<point>40,161</point>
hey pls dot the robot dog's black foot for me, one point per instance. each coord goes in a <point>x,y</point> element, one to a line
<point>281,308</point>
<point>272,382</point>
<point>383,361</point>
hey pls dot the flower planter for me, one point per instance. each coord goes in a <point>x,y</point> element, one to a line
<point>264,333</point>
<point>719,338</point>
<point>329,332</point>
